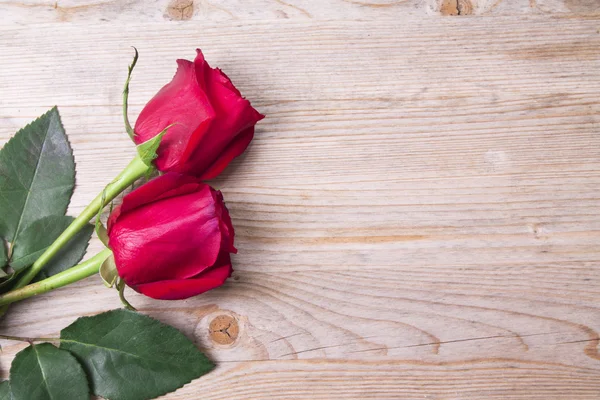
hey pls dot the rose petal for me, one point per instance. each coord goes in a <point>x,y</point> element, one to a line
<point>168,185</point>
<point>112,218</point>
<point>234,149</point>
<point>173,238</point>
<point>182,289</point>
<point>183,103</point>
<point>225,224</point>
<point>234,116</point>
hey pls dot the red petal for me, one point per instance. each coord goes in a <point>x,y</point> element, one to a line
<point>227,231</point>
<point>183,103</point>
<point>182,289</point>
<point>229,133</point>
<point>234,149</point>
<point>112,218</point>
<point>168,185</point>
<point>166,238</point>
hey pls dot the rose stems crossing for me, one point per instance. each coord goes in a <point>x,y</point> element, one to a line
<point>135,170</point>
<point>74,274</point>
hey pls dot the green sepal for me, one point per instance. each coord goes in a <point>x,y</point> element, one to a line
<point>102,233</point>
<point>121,288</point>
<point>108,272</point>
<point>148,149</point>
<point>100,228</point>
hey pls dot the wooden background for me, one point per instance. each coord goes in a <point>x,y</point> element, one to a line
<point>418,216</point>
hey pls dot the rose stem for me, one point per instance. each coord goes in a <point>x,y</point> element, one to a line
<point>29,339</point>
<point>74,274</point>
<point>128,127</point>
<point>135,170</point>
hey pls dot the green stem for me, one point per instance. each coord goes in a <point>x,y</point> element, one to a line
<point>128,127</point>
<point>78,272</point>
<point>29,339</point>
<point>135,170</point>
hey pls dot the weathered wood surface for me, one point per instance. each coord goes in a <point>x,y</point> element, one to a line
<point>28,11</point>
<point>418,216</point>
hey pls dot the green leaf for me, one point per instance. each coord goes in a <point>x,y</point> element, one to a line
<point>3,261</point>
<point>3,256</point>
<point>7,281</point>
<point>5,390</point>
<point>147,150</point>
<point>70,255</point>
<point>37,174</point>
<point>35,238</point>
<point>33,241</point>
<point>129,356</point>
<point>44,372</point>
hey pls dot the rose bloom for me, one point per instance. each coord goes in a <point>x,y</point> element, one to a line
<point>212,122</point>
<point>172,238</point>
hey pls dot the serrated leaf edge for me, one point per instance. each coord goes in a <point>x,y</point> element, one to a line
<point>67,353</point>
<point>210,363</point>
<point>15,137</point>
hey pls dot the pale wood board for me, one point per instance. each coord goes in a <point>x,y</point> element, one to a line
<point>417,218</point>
<point>29,11</point>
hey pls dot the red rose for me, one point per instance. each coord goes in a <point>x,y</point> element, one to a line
<point>213,123</point>
<point>172,237</point>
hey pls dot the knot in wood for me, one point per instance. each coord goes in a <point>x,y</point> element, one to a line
<point>224,329</point>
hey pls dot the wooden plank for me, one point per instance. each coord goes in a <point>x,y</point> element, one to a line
<point>127,11</point>
<point>417,216</point>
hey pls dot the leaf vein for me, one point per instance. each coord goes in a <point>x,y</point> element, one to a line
<point>45,380</point>
<point>37,166</point>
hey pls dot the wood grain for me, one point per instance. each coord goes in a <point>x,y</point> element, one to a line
<point>132,11</point>
<point>417,216</point>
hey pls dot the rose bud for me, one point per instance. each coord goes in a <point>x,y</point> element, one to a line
<point>172,238</point>
<point>210,122</point>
